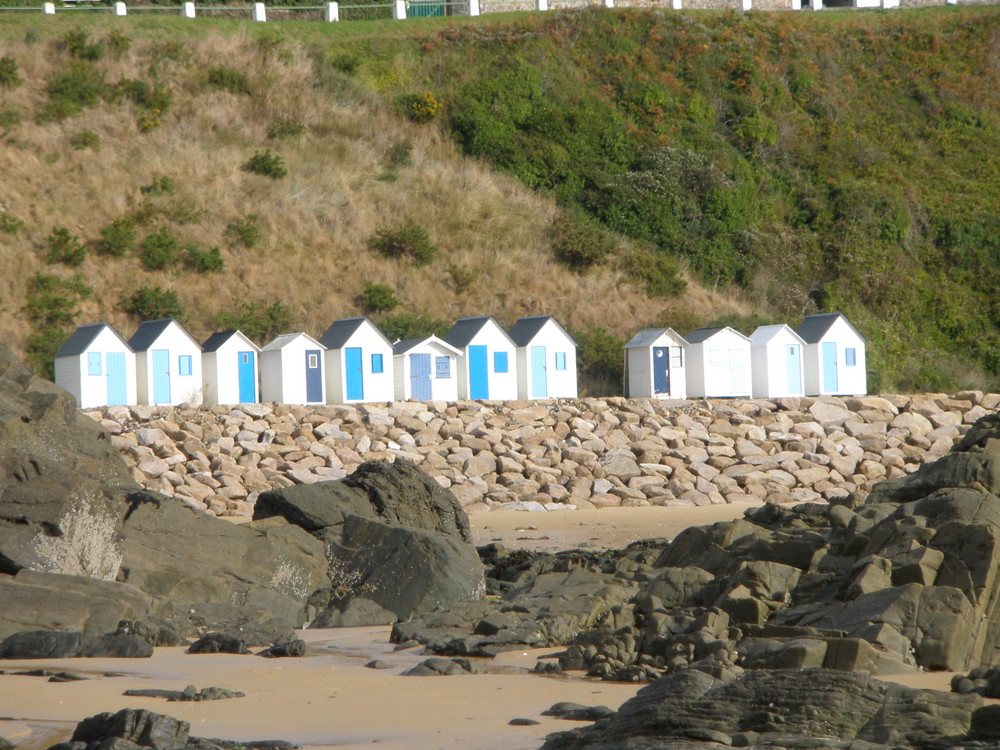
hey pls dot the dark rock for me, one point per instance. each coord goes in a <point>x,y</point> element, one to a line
<point>137,726</point>
<point>218,643</point>
<point>353,612</point>
<point>286,649</point>
<point>523,722</point>
<point>190,693</point>
<point>159,631</point>
<point>578,712</point>
<point>52,644</point>
<point>379,664</point>
<point>436,666</point>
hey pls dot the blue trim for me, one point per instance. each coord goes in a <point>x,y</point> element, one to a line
<point>184,364</point>
<point>247,374</point>
<point>500,362</point>
<point>93,363</point>
<point>354,373</point>
<point>479,375</point>
<point>539,380</point>
<point>442,367</point>
<point>377,365</point>
<point>161,376</point>
<point>560,360</point>
<point>117,391</point>
<point>420,377</point>
<point>314,377</point>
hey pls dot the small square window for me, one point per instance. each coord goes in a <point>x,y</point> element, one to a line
<point>560,360</point>
<point>93,363</point>
<point>184,364</point>
<point>850,357</point>
<point>377,363</point>
<point>442,367</point>
<point>676,356</point>
<point>499,361</point>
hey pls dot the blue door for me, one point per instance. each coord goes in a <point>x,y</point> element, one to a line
<point>314,377</point>
<point>161,376</point>
<point>661,369</point>
<point>115,372</point>
<point>793,361</point>
<point>247,377</point>
<point>479,378</point>
<point>539,381</point>
<point>420,377</point>
<point>830,367</point>
<point>354,373</point>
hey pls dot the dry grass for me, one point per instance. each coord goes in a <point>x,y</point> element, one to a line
<point>316,222</point>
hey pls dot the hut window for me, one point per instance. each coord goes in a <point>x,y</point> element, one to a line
<point>560,360</point>
<point>499,361</point>
<point>245,357</point>
<point>377,364</point>
<point>850,357</point>
<point>184,364</point>
<point>442,367</point>
<point>676,356</point>
<point>313,361</point>
<point>93,363</point>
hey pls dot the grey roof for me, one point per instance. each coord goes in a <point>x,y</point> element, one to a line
<point>401,347</point>
<point>703,334</point>
<point>814,327</point>
<point>338,334</point>
<point>464,330</point>
<point>526,329</point>
<point>647,336</point>
<point>83,337</point>
<point>147,334</point>
<point>279,342</point>
<point>214,342</point>
<point>766,334</point>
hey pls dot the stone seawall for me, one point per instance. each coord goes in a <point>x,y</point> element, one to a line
<point>556,454</point>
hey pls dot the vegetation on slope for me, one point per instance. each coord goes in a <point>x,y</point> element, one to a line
<point>688,169</point>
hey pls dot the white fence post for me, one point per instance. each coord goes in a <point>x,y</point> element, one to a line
<point>609,3</point>
<point>399,10</point>
<point>259,14</point>
<point>675,4</point>
<point>541,4</point>
<point>120,9</point>
<point>817,4</point>
<point>332,13</point>
<point>49,9</point>
<point>187,10</point>
<point>473,7</point>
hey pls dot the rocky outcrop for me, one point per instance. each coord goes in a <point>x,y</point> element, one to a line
<point>557,454</point>
<point>50,644</point>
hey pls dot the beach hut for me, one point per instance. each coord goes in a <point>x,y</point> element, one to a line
<point>291,370</point>
<point>358,360</point>
<point>654,364</point>
<point>546,358</point>
<point>486,369</point>
<point>425,369</point>
<point>229,364</point>
<point>776,361</point>
<point>167,363</point>
<point>97,366</point>
<point>718,363</point>
<point>834,356</point>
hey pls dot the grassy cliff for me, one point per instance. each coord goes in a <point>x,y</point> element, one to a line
<point>617,169</point>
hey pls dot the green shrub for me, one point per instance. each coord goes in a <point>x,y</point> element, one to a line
<point>266,164</point>
<point>245,233</point>
<point>65,247</point>
<point>70,92</point>
<point>159,186</point>
<point>398,154</point>
<point>419,108</point>
<point>85,139</point>
<point>143,95</point>
<point>118,44</point>
<point>153,303</point>
<point>77,43</point>
<point>286,127</point>
<point>462,277</point>
<point>376,298</point>
<point>158,250</point>
<point>227,79</point>
<point>659,274</point>
<point>408,240</point>
<point>51,306</point>
<point>118,237</point>
<point>10,76</point>
<point>203,261</point>
<point>9,117</point>
<point>579,241</point>
<point>10,224</point>
<point>402,326</point>
<point>600,360</point>
<point>258,322</point>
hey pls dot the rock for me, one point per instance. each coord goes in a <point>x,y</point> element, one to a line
<point>218,643</point>
<point>190,693</point>
<point>437,666</point>
<point>354,611</point>
<point>379,664</point>
<point>286,649</point>
<point>523,722</point>
<point>137,726</point>
<point>51,644</point>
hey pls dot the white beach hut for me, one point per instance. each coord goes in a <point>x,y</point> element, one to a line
<point>654,364</point>
<point>776,360</point>
<point>358,361</point>
<point>230,368</point>
<point>97,366</point>
<point>718,363</point>
<point>425,369</point>
<point>291,370</point>
<point>546,358</point>
<point>834,358</point>
<point>167,363</point>
<point>487,367</point>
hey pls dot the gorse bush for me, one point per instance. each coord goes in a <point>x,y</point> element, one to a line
<point>65,247</point>
<point>227,79</point>
<point>118,43</point>
<point>659,274</point>
<point>85,139</point>
<point>118,238</point>
<point>203,261</point>
<point>259,322</point>
<point>9,117</point>
<point>10,224</point>
<point>410,325</point>
<point>419,108</point>
<point>408,241</point>
<point>246,233</point>
<point>398,154</point>
<point>77,43</point>
<point>378,298</point>
<point>579,241</point>
<point>266,164</point>
<point>162,185</point>
<point>285,127</point>
<point>10,76</point>
<point>70,92</point>
<point>159,250</point>
<point>153,303</point>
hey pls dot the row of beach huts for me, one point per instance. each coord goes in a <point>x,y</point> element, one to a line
<point>354,362</point>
